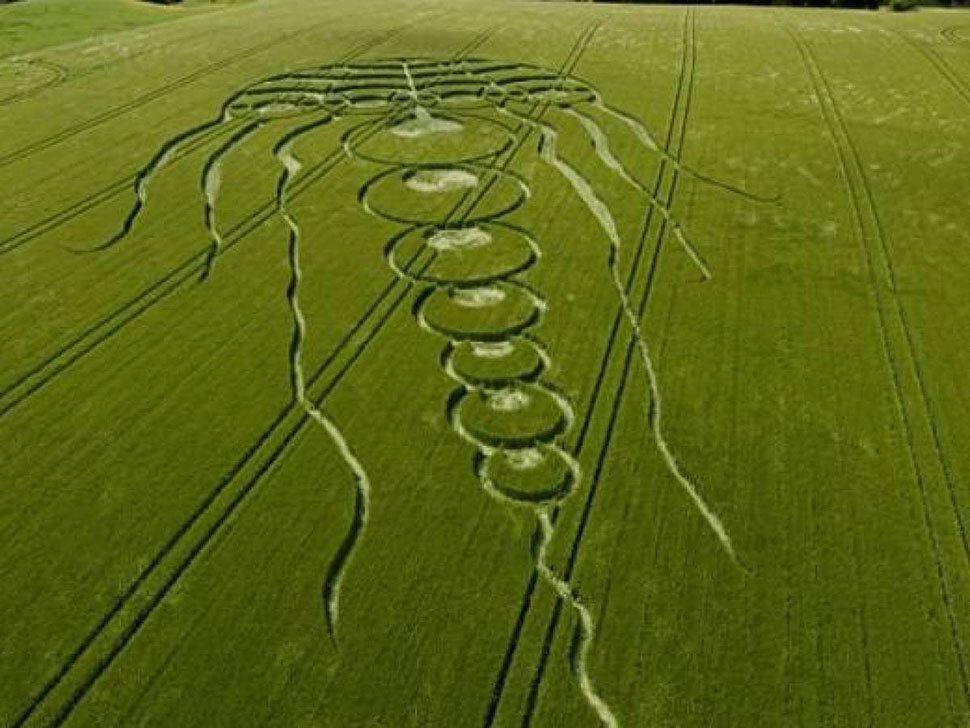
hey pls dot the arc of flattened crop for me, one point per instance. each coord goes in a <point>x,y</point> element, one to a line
<point>601,212</point>
<point>334,574</point>
<point>162,157</point>
<point>210,186</point>
<point>212,178</point>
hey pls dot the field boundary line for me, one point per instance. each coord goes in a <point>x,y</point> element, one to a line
<point>871,233</point>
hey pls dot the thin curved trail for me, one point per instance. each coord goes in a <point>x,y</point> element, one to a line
<point>335,572</point>
<point>646,138</point>
<point>586,629</point>
<point>144,177</point>
<point>211,186</point>
<point>601,146</point>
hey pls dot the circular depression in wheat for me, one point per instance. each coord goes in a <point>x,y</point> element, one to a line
<point>518,416</point>
<point>498,363</point>
<point>446,312</point>
<point>533,474</point>
<point>422,136</point>
<point>465,254</point>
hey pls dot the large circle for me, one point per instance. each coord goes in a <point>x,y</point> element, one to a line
<point>435,194</point>
<point>421,136</point>
<point>467,254</point>
<point>480,313</point>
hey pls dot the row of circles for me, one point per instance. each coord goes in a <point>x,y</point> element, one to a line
<point>456,243</point>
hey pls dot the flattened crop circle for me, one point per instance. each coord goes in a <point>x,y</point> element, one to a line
<point>431,194</point>
<point>466,254</point>
<point>536,474</point>
<point>496,364</point>
<point>447,312</point>
<point>521,416</point>
<point>429,138</point>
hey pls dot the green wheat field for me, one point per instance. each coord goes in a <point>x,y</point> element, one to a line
<point>401,364</point>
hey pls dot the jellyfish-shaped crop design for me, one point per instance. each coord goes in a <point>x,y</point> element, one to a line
<point>443,132</point>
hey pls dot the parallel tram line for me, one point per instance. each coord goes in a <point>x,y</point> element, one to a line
<point>871,233</point>
<point>150,96</point>
<point>685,87</point>
<point>960,85</point>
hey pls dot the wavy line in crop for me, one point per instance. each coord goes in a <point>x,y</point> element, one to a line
<point>586,629</point>
<point>331,588</point>
<point>643,134</point>
<point>224,483</point>
<point>161,158</point>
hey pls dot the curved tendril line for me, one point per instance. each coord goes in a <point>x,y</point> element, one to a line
<point>585,626</point>
<point>335,570</point>
<point>211,184</point>
<point>602,214</point>
<point>602,146</point>
<point>646,138</point>
<point>144,176</point>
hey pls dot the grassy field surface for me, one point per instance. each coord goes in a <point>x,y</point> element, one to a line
<point>477,364</point>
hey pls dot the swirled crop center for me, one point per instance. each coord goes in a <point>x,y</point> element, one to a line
<point>443,179</point>
<point>532,474</point>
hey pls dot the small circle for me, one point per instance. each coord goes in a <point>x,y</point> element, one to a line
<point>446,312</point>
<point>531,474</point>
<point>492,364</point>
<point>432,194</point>
<point>519,416</point>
